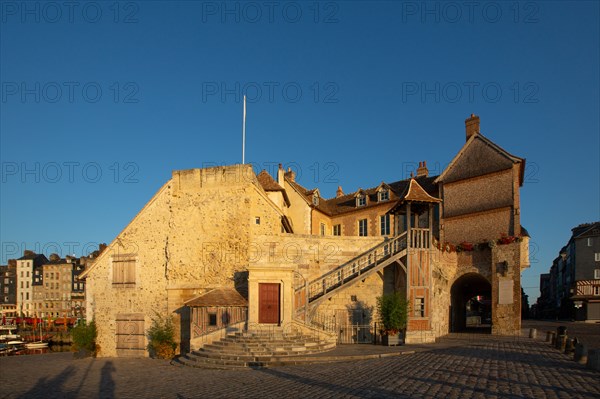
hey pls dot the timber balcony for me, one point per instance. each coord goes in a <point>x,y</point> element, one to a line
<point>376,259</point>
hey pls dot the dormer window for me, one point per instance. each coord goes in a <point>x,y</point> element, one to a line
<point>361,200</point>
<point>384,195</point>
<point>315,200</point>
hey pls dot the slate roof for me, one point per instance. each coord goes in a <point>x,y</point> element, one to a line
<point>586,229</point>
<point>480,156</point>
<point>219,297</point>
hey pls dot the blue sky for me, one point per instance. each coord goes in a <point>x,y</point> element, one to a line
<point>102,100</point>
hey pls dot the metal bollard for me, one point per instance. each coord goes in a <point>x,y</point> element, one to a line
<point>561,342</point>
<point>581,353</point>
<point>532,333</point>
<point>570,346</point>
<point>593,360</point>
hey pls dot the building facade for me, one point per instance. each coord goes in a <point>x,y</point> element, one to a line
<point>572,288</point>
<point>452,244</point>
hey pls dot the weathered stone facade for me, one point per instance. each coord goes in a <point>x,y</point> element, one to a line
<point>210,228</point>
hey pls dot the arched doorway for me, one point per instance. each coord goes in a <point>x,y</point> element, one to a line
<point>471,306</point>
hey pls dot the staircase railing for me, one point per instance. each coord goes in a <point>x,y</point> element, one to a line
<point>353,268</point>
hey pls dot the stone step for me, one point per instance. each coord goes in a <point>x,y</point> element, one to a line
<point>232,355</point>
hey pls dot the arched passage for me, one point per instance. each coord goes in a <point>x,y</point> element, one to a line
<point>471,307</point>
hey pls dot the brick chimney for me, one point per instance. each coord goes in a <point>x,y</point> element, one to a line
<point>290,175</point>
<point>422,170</point>
<point>339,193</point>
<point>472,125</point>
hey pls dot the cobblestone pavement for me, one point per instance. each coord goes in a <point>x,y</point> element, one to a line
<point>484,368</point>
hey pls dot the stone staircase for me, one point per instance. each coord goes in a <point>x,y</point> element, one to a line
<point>256,350</point>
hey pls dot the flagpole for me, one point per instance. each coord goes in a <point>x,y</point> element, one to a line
<point>244,134</point>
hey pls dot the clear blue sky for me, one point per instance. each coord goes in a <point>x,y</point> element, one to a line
<point>102,100</point>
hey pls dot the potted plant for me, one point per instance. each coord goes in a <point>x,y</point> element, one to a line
<point>161,338</point>
<point>393,315</point>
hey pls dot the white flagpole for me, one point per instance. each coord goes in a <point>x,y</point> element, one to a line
<point>244,134</point>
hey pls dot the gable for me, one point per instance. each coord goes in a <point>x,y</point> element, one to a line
<point>476,159</point>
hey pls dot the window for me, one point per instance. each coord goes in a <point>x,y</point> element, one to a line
<point>419,307</point>
<point>597,256</point>
<point>590,241</point>
<point>257,219</point>
<point>597,274</point>
<point>361,200</point>
<point>362,227</point>
<point>315,200</point>
<point>385,225</point>
<point>212,319</point>
<point>322,229</point>
<point>27,273</point>
<point>384,195</point>
<point>597,290</point>
<point>337,230</point>
<point>124,269</point>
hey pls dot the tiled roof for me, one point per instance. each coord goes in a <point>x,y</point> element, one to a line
<point>426,190</point>
<point>219,297</point>
<point>267,182</point>
<point>416,193</point>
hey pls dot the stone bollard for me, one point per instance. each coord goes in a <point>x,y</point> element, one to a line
<point>581,354</point>
<point>552,338</point>
<point>593,359</point>
<point>561,342</point>
<point>548,336</point>
<point>532,333</point>
<point>570,346</point>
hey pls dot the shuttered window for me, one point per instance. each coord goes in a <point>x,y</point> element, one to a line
<point>124,270</point>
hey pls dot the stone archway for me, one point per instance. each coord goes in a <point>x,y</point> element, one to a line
<point>471,307</point>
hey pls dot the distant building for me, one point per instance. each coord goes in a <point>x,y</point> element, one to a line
<point>572,288</point>
<point>8,289</point>
<point>28,266</point>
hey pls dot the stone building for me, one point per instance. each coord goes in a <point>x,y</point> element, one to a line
<point>28,275</point>
<point>452,244</point>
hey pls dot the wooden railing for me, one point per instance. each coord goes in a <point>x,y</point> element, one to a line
<point>354,268</point>
<point>420,238</point>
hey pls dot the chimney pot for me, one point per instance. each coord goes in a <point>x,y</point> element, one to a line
<point>422,171</point>
<point>472,126</point>
<point>339,193</point>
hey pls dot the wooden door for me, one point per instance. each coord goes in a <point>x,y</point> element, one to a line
<point>268,300</point>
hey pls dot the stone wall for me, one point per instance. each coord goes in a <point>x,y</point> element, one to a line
<point>193,235</point>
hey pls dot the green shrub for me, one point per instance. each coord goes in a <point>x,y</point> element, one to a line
<point>84,337</point>
<point>393,312</point>
<point>161,337</point>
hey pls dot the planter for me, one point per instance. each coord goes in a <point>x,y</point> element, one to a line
<point>393,340</point>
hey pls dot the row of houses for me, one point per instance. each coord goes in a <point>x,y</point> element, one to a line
<point>35,286</point>
<point>571,290</point>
